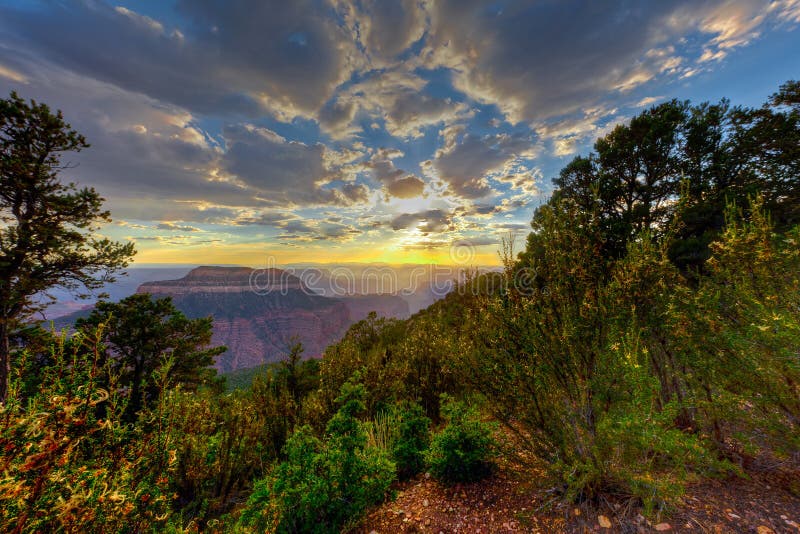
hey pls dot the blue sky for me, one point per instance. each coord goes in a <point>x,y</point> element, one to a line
<point>374,130</point>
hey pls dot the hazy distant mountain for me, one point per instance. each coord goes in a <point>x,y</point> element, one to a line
<point>67,303</point>
<point>258,313</point>
<point>257,327</point>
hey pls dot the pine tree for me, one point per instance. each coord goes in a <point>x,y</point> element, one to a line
<point>46,227</point>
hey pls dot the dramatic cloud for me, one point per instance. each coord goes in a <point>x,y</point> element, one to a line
<point>396,181</point>
<point>286,57</point>
<point>397,98</point>
<point>466,160</point>
<point>430,221</point>
<point>411,124</point>
<point>282,171</point>
<point>384,28</point>
<point>540,60</point>
<point>408,187</point>
<point>176,227</point>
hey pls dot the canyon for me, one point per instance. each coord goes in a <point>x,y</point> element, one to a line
<point>259,314</point>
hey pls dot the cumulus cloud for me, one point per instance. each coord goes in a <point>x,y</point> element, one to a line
<point>176,227</point>
<point>149,159</point>
<point>429,221</point>
<point>395,96</point>
<point>283,171</point>
<point>466,160</point>
<point>537,61</point>
<point>566,134</point>
<point>384,28</point>
<point>396,182</point>
<point>408,187</point>
<point>254,112</point>
<point>286,57</point>
<point>153,162</point>
<point>318,230</point>
<point>295,229</point>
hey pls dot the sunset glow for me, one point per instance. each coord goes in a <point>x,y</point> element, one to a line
<point>369,131</point>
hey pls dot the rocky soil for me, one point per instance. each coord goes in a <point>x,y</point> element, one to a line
<point>766,502</point>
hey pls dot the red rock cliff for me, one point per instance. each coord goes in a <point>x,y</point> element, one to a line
<point>258,313</point>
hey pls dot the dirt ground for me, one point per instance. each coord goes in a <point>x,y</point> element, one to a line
<point>768,501</point>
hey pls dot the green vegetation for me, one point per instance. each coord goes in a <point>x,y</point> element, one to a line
<point>647,336</point>
<point>46,227</point>
<point>243,378</point>
<point>412,440</point>
<point>324,483</point>
<point>140,334</point>
<point>463,450</point>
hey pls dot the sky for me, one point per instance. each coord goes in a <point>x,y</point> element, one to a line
<point>397,131</point>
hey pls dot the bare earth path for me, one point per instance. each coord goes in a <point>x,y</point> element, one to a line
<point>767,502</point>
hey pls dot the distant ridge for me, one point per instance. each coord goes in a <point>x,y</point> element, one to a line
<point>259,313</point>
<point>211,279</point>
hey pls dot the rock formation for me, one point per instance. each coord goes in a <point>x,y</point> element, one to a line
<point>259,313</point>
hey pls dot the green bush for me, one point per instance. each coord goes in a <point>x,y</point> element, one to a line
<point>412,440</point>
<point>324,483</point>
<point>464,450</point>
<point>69,464</point>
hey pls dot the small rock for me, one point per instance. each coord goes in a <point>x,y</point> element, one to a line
<point>577,511</point>
<point>761,529</point>
<point>661,527</point>
<point>428,521</point>
<point>425,502</point>
<point>734,516</point>
<point>604,521</point>
<point>373,532</point>
<point>427,476</point>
